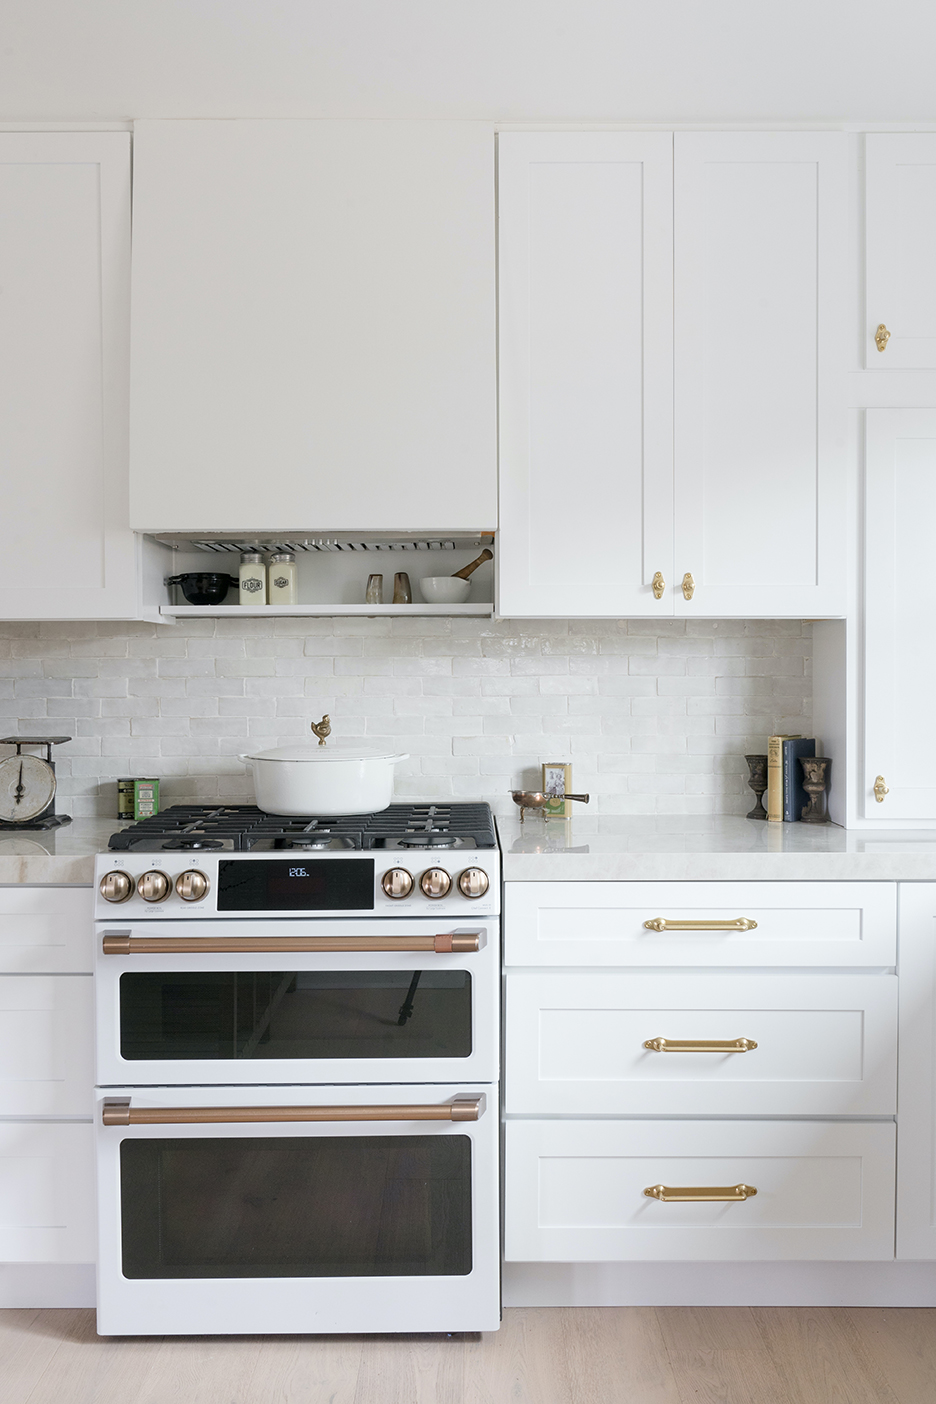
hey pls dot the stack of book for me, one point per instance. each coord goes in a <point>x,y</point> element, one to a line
<point>786,798</point>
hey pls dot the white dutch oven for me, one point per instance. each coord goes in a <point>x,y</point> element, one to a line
<point>333,780</point>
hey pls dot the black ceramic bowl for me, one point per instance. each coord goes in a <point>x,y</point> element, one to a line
<point>204,587</point>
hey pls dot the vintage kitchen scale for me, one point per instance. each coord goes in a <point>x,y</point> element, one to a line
<point>27,785</point>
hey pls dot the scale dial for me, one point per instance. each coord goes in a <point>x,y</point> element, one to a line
<point>27,787</point>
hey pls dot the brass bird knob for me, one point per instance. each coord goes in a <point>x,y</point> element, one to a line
<point>322,729</point>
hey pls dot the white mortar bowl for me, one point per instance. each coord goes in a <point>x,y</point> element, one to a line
<point>444,589</point>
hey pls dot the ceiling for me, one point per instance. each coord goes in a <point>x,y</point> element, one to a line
<point>502,60</point>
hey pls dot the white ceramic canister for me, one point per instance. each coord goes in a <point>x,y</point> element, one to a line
<point>323,780</point>
<point>252,579</point>
<point>282,579</point>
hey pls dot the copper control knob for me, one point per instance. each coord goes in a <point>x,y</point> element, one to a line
<point>397,883</point>
<point>473,882</point>
<point>116,887</point>
<point>154,886</point>
<point>435,882</point>
<point>192,885</point>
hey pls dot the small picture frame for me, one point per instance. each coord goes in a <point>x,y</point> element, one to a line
<point>557,781</point>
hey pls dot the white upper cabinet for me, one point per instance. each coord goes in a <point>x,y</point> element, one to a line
<point>900,605</point>
<point>900,292</point>
<point>313,326</point>
<point>760,467</point>
<point>586,303</point>
<point>742,514</point>
<point>68,552</point>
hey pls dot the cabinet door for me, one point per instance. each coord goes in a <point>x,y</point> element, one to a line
<point>585,326</point>
<point>900,603</point>
<point>574,1191</point>
<point>900,289</point>
<point>802,924</point>
<point>916,1079</point>
<point>68,552</point>
<point>46,1059</point>
<point>760,420</point>
<point>313,326</point>
<point>47,1192</point>
<point>823,1045</point>
<point>46,930</point>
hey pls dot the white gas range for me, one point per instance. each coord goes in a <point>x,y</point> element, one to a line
<point>297,1068</point>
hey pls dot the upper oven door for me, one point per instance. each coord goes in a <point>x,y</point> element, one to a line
<point>175,1006</point>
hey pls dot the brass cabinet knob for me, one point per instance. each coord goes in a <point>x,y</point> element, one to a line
<point>154,886</point>
<point>658,585</point>
<point>881,337</point>
<point>880,789</point>
<point>397,883</point>
<point>688,586</point>
<point>435,882</point>
<point>473,882</point>
<point>192,885</point>
<point>116,887</point>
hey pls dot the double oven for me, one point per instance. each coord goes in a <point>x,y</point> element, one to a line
<point>297,1068</point>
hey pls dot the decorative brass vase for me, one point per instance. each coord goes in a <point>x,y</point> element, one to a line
<point>757,765</point>
<point>815,782</point>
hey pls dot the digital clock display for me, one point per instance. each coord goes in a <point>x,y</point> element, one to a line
<point>284,885</point>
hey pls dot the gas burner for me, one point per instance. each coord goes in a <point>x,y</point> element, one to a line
<point>193,842</point>
<point>436,839</point>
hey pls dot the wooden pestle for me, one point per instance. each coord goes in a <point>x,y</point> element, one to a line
<point>465,571</point>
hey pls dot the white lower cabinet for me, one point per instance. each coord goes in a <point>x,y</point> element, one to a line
<point>716,1039</point>
<point>916,1122</point>
<point>47,1198</point>
<point>47,1192</point>
<point>575,1191</point>
<point>824,1045</point>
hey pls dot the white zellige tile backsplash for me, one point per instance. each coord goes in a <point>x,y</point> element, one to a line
<point>654,717</point>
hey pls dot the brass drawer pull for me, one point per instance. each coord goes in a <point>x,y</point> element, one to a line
<point>699,1194</point>
<point>688,586</point>
<point>665,924</point>
<point>449,943</point>
<point>881,337</point>
<point>700,1045</point>
<point>658,585</point>
<point>880,789</point>
<point>121,1113</point>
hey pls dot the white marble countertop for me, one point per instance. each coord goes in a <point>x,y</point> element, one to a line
<point>590,849</point>
<point>669,849</point>
<point>64,855</point>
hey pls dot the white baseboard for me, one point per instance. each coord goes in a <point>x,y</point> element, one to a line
<point>910,1284</point>
<point>47,1285</point>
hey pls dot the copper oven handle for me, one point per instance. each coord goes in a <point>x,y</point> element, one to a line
<point>449,943</point>
<point>119,1112</point>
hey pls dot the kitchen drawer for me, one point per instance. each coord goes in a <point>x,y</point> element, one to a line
<point>45,930</point>
<point>575,1191</point>
<point>826,1044</point>
<point>47,1192</point>
<point>798,923</point>
<point>46,1061</point>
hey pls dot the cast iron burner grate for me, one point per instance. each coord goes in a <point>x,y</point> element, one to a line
<point>242,827</point>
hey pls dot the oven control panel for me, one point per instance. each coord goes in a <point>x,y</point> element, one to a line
<point>198,885</point>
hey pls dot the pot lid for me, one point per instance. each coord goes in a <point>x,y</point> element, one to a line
<point>328,753</point>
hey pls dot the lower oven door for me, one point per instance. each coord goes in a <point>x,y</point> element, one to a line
<point>306,1210</point>
<point>174,1007</point>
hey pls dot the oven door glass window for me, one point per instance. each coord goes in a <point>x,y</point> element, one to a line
<point>296,1014</point>
<point>296,1206</point>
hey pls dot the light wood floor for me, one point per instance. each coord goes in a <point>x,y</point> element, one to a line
<point>583,1355</point>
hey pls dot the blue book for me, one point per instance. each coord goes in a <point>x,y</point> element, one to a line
<point>795,797</point>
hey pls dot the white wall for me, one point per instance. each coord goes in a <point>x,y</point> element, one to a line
<point>655,718</point>
<point>496,60</point>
